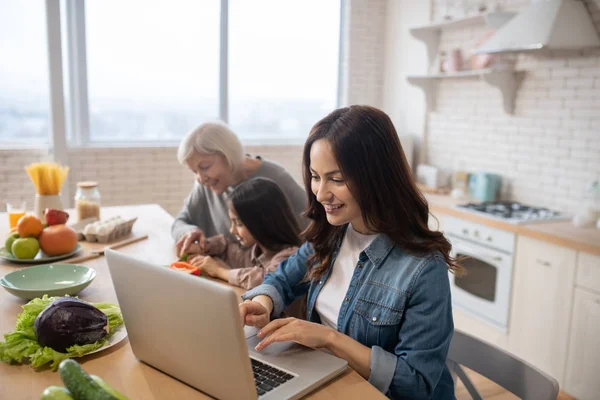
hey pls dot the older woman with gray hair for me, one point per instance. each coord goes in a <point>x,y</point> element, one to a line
<point>215,155</point>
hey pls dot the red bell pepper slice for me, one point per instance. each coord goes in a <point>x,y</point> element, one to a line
<point>185,267</point>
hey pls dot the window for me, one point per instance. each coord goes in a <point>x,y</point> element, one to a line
<point>153,67</point>
<point>140,71</point>
<point>283,67</point>
<point>24,82</point>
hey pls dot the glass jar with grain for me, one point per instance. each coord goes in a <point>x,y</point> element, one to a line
<point>87,200</point>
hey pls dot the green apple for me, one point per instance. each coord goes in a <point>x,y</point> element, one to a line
<point>9,241</point>
<point>25,248</point>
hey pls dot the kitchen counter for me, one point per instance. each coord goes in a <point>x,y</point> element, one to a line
<point>562,233</point>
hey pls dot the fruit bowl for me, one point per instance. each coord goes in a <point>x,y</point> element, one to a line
<point>39,258</point>
<point>53,280</point>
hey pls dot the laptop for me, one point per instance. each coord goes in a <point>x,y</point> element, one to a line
<point>190,328</point>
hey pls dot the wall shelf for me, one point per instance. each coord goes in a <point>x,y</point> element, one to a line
<point>506,81</point>
<point>430,33</point>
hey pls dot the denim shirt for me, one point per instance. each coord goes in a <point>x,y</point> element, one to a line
<point>397,304</point>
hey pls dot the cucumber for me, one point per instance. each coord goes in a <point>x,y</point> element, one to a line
<point>80,384</point>
<point>108,388</point>
<point>56,393</point>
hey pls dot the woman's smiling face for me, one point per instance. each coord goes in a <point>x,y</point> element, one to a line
<point>211,170</point>
<point>331,190</point>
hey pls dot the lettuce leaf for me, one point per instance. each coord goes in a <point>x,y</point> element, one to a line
<point>21,344</point>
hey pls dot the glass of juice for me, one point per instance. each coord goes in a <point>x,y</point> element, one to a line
<point>15,211</point>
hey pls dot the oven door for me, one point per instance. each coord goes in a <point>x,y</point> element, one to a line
<point>484,290</point>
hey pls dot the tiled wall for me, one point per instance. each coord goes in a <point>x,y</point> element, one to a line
<point>152,175</point>
<point>548,152</point>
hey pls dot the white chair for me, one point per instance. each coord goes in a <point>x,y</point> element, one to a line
<point>513,374</point>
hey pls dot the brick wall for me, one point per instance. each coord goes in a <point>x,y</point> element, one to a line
<point>548,152</point>
<point>363,58</point>
<point>125,175</point>
<point>15,184</point>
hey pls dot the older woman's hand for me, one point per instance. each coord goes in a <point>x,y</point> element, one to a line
<point>184,243</point>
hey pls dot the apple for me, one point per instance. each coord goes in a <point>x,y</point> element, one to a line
<point>55,217</point>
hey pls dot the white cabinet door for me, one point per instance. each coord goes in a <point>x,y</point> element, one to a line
<point>588,271</point>
<point>543,285</point>
<point>583,365</point>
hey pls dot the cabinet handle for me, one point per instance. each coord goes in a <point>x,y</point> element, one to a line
<point>489,239</point>
<point>544,263</point>
<point>497,258</point>
<point>465,232</point>
<point>476,234</point>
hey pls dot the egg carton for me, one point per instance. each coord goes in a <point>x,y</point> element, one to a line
<point>79,226</point>
<point>122,229</point>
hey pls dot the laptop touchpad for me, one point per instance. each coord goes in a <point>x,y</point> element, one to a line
<point>274,349</point>
<point>250,331</point>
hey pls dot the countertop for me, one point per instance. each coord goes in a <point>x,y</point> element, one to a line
<point>561,233</point>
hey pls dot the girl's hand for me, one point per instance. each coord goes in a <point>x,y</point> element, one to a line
<point>254,314</point>
<point>306,333</point>
<point>189,238</point>
<point>211,267</point>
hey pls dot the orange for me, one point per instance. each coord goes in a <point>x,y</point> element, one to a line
<point>29,226</point>
<point>13,229</point>
<point>58,239</point>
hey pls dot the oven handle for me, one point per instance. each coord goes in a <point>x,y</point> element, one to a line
<point>482,253</point>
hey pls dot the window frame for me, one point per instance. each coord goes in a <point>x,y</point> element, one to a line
<point>71,113</point>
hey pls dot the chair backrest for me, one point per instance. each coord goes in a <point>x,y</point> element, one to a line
<point>513,374</point>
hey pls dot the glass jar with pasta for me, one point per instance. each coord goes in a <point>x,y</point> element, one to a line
<point>87,200</point>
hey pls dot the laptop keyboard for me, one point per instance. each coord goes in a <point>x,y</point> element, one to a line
<point>267,377</point>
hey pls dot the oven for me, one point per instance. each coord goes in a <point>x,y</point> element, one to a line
<point>485,290</point>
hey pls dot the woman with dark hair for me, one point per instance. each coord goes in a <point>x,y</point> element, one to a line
<point>375,274</point>
<point>266,232</point>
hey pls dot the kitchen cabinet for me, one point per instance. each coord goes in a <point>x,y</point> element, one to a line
<point>583,363</point>
<point>588,272</point>
<point>543,286</point>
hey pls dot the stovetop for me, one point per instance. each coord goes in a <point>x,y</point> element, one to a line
<point>515,213</point>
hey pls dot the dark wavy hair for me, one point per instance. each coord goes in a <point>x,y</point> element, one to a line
<point>265,210</point>
<point>366,147</point>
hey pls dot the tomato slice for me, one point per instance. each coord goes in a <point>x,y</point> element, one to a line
<point>185,267</point>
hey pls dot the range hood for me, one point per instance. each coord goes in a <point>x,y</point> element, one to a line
<point>545,24</point>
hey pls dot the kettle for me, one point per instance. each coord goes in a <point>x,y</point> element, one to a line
<point>484,186</point>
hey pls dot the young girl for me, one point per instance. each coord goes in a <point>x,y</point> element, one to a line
<point>375,274</point>
<point>265,230</point>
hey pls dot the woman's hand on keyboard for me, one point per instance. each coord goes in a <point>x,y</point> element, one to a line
<point>307,333</point>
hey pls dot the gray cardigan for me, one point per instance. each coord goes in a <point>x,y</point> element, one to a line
<point>207,210</point>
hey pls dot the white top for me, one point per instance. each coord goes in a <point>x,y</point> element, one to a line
<point>333,293</point>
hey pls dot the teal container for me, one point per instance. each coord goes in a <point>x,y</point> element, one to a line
<point>484,186</point>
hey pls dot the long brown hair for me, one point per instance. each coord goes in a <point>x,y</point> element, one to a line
<point>366,147</point>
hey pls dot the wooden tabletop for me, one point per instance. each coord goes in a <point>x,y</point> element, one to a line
<point>117,365</point>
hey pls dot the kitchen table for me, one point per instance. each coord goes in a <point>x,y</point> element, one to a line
<point>117,365</point>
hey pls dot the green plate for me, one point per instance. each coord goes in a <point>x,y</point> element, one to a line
<point>40,257</point>
<point>53,280</point>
